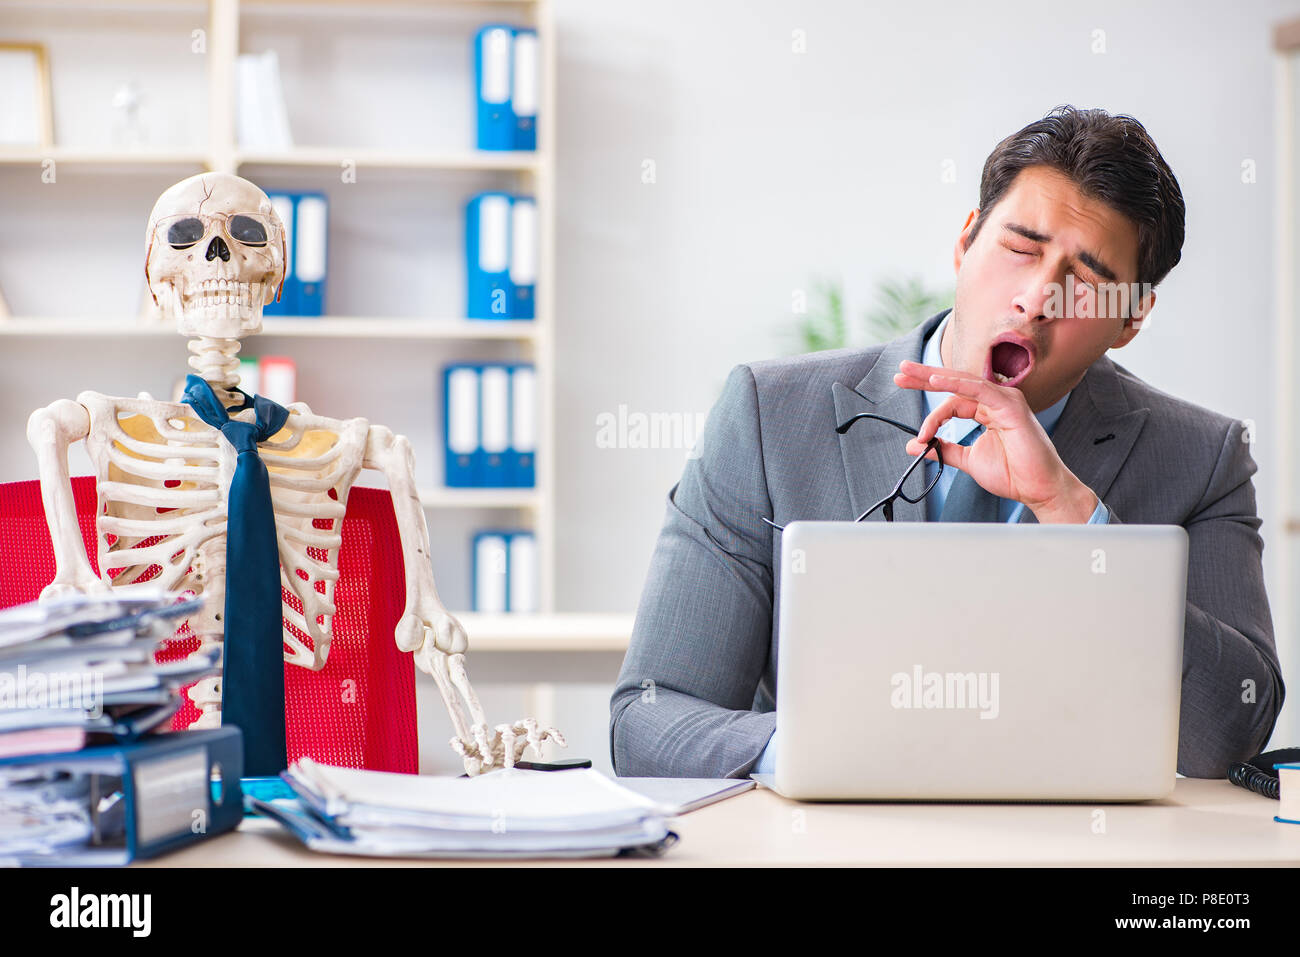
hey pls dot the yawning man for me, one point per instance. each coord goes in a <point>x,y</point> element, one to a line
<point>1079,219</point>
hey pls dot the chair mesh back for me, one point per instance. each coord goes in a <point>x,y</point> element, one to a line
<point>359,710</point>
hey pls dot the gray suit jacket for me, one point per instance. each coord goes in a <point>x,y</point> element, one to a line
<point>696,696</point>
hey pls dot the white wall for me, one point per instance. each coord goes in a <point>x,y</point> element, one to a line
<point>774,166</point>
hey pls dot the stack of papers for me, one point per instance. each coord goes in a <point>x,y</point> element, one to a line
<point>74,672</point>
<point>82,668</point>
<point>507,813</point>
<point>43,812</point>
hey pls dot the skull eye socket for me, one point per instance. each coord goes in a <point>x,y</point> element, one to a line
<point>247,230</point>
<point>185,232</point>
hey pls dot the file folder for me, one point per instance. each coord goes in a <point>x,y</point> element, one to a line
<point>521,572</point>
<point>523,89</point>
<point>493,51</point>
<point>287,304</point>
<point>494,424</point>
<point>311,225</point>
<point>487,256</point>
<point>149,797</point>
<point>489,563</point>
<point>305,217</point>
<point>521,469</point>
<point>463,456</point>
<point>523,256</point>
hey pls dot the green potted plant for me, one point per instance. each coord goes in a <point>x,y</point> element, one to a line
<point>901,303</point>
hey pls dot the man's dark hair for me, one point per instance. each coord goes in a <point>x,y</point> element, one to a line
<point>1110,158</point>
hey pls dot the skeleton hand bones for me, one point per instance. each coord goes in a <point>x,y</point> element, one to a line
<point>439,643</point>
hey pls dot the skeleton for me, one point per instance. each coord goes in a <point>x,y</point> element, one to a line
<point>214,256</point>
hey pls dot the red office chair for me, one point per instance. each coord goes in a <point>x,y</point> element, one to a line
<point>359,710</point>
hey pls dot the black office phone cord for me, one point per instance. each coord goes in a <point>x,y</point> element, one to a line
<point>1258,774</point>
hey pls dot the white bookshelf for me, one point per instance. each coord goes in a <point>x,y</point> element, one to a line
<point>331,327</point>
<point>384,159</point>
<point>550,633</point>
<point>433,172</point>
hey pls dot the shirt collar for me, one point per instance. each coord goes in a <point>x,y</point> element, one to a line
<point>956,429</point>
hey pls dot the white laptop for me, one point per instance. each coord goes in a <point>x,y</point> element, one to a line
<point>964,661</point>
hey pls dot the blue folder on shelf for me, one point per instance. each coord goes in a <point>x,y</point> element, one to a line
<point>139,800</point>
<point>306,258</point>
<point>489,425</point>
<point>311,228</point>
<point>521,456</point>
<point>286,305</point>
<point>493,53</point>
<point>504,571</point>
<point>463,455</point>
<point>487,256</point>
<point>524,83</point>
<point>490,575</point>
<point>523,257</point>
<point>494,424</point>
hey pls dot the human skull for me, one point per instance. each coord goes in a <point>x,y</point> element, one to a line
<point>214,255</point>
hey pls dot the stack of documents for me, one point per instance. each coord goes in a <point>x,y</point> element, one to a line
<point>83,778</point>
<point>81,670</point>
<point>112,804</point>
<point>507,813</point>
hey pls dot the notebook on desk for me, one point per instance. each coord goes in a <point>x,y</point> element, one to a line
<point>677,796</point>
<point>963,661</point>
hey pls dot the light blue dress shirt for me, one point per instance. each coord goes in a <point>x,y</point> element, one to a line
<point>954,430</point>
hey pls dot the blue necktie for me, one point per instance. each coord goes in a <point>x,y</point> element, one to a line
<point>252,676</point>
<point>967,500</point>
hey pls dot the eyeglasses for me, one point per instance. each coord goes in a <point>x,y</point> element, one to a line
<point>187,229</point>
<point>887,503</point>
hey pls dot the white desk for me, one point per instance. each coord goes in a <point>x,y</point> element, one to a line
<point>1204,823</point>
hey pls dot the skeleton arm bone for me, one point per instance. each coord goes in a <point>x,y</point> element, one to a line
<point>391,454</point>
<point>426,627</point>
<point>51,432</point>
<point>436,637</point>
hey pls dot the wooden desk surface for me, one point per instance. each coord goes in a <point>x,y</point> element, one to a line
<point>1204,823</point>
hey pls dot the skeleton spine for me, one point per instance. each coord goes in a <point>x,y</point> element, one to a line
<point>217,361</point>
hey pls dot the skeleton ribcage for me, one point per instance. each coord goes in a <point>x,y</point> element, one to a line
<point>163,485</point>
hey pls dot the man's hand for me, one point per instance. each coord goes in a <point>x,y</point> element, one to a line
<point>1013,458</point>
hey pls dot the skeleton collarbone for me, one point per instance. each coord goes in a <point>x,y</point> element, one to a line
<point>164,483</point>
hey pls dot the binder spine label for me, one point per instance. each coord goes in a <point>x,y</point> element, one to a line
<point>171,797</point>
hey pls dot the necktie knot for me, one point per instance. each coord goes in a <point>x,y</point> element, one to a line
<point>244,436</point>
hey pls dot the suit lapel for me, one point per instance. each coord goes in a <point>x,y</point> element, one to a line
<point>1093,436</point>
<point>875,453</point>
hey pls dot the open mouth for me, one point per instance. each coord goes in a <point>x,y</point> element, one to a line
<point>1009,362</point>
